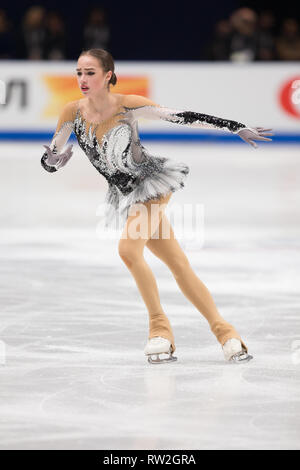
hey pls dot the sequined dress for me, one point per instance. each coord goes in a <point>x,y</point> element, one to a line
<point>115,150</point>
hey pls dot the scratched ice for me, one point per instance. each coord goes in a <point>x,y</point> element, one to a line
<point>73,327</point>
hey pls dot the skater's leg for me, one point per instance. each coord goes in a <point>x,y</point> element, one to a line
<point>131,247</point>
<point>165,246</point>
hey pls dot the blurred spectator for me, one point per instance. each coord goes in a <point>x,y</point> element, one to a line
<point>7,38</point>
<point>33,33</point>
<point>244,39</point>
<point>288,43</point>
<point>55,41</point>
<point>218,49</point>
<point>96,32</point>
<point>266,37</point>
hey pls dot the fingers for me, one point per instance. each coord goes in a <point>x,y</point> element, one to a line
<point>50,155</point>
<point>255,133</point>
<point>47,147</point>
<point>65,157</point>
<point>263,131</point>
<point>266,133</point>
<point>58,160</point>
<point>59,164</point>
<point>253,143</point>
<point>263,138</point>
<point>259,136</point>
<point>48,150</point>
<point>248,141</point>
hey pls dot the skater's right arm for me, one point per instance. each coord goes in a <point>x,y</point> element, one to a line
<point>53,158</point>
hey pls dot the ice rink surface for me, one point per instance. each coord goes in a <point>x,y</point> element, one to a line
<point>73,325</point>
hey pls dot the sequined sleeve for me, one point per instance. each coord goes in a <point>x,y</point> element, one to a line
<point>139,106</point>
<point>62,133</point>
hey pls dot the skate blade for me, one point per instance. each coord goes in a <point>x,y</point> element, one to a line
<point>241,357</point>
<point>159,360</point>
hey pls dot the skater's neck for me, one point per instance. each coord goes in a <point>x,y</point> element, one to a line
<point>101,104</point>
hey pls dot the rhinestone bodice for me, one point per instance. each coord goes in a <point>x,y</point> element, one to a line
<point>116,154</point>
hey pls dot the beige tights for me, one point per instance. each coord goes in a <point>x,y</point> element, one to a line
<point>152,228</point>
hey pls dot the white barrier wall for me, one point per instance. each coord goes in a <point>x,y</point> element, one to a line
<point>256,94</point>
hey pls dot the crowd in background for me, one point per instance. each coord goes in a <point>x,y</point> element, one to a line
<point>42,34</point>
<point>245,36</point>
<point>248,36</point>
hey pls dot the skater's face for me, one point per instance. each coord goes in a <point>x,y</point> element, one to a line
<point>90,75</point>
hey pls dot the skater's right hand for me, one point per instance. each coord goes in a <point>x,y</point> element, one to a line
<point>58,160</point>
<point>249,134</point>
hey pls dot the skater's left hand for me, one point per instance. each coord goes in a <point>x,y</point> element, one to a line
<point>249,134</point>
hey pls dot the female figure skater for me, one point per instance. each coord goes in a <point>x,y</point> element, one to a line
<point>105,125</point>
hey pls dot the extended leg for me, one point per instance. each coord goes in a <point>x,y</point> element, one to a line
<point>131,247</point>
<point>170,252</point>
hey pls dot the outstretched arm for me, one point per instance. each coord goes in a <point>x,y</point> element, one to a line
<point>139,106</point>
<point>53,158</point>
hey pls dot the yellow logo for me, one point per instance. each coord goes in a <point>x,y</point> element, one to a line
<point>64,88</point>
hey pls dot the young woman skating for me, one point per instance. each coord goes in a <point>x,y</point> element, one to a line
<point>105,125</point>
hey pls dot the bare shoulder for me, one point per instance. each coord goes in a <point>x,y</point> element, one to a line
<point>132,101</point>
<point>71,106</point>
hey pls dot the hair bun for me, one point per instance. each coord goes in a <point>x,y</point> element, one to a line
<point>113,79</point>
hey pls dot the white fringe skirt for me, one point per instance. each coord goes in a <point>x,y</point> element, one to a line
<point>117,205</point>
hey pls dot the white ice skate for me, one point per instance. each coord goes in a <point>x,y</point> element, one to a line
<point>235,352</point>
<point>156,346</point>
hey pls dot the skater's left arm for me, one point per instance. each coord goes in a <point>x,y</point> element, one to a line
<point>139,106</point>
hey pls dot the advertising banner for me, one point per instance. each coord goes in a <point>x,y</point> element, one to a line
<point>257,94</point>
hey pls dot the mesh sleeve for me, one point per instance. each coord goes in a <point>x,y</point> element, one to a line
<point>139,106</point>
<point>61,136</point>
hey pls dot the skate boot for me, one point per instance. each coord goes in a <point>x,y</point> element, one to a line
<point>156,346</point>
<point>234,352</point>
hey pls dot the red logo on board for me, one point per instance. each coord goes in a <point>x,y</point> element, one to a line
<point>289,97</point>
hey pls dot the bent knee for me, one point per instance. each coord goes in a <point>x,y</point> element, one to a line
<point>128,253</point>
